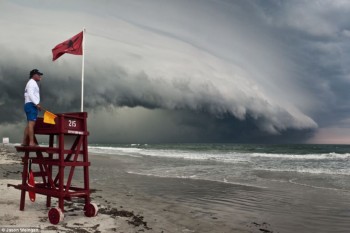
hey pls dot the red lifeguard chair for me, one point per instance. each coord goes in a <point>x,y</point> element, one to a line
<point>68,152</point>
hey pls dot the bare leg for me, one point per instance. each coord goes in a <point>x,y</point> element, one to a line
<point>31,125</point>
<point>25,136</point>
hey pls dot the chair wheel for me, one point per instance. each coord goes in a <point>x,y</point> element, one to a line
<point>55,215</point>
<point>91,210</point>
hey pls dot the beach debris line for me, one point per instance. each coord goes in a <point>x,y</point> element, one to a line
<point>135,220</point>
<point>261,227</point>
<point>77,228</point>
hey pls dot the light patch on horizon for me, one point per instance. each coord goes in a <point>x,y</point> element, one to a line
<point>331,135</point>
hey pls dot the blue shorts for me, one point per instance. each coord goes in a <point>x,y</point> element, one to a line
<point>31,111</point>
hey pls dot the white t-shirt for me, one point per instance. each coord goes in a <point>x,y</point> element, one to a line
<point>32,92</point>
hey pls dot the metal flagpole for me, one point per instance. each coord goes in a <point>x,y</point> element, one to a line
<point>82,73</point>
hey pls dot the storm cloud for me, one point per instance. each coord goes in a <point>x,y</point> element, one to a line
<point>184,71</point>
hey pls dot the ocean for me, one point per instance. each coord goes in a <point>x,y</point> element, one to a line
<point>318,166</point>
<point>293,188</point>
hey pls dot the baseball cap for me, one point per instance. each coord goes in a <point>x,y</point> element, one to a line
<point>35,71</point>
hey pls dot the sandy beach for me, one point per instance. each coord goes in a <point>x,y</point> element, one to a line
<point>122,208</point>
<point>131,202</point>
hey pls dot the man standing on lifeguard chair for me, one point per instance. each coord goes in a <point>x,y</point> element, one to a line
<point>31,106</point>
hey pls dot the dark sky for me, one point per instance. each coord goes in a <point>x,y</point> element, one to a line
<point>184,71</point>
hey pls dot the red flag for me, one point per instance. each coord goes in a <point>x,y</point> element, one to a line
<point>73,46</point>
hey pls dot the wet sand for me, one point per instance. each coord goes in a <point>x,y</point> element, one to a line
<point>267,205</point>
